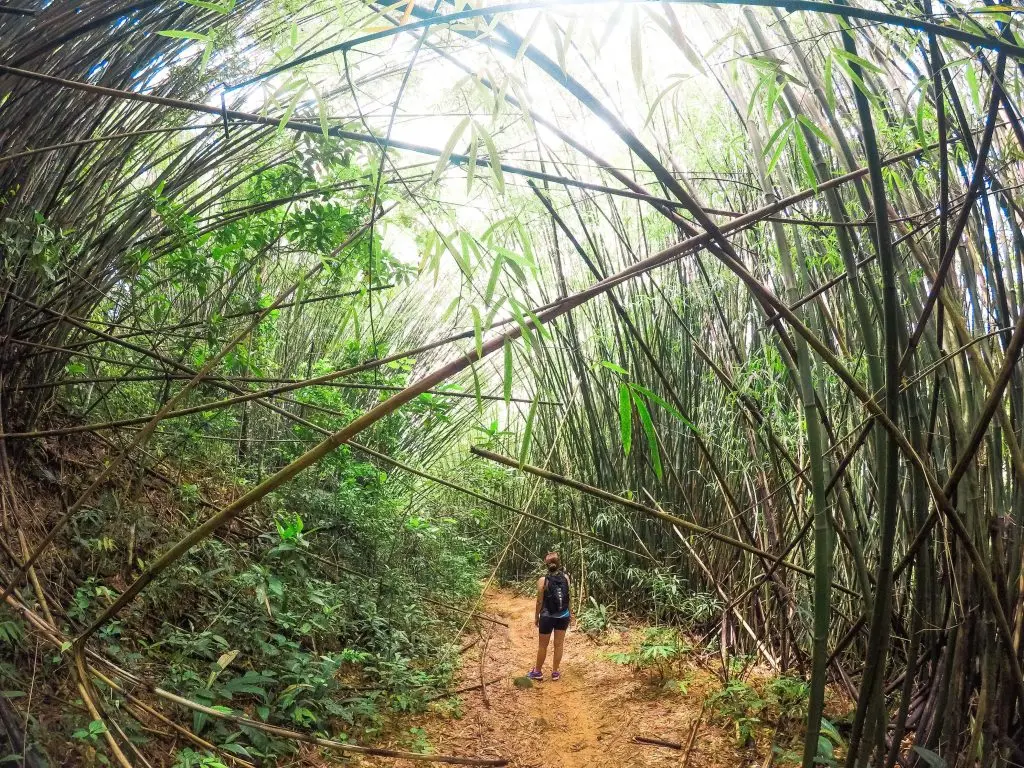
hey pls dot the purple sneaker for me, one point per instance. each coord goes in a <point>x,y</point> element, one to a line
<point>556,675</point>
<point>535,674</point>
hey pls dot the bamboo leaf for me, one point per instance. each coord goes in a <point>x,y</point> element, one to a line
<point>478,332</point>
<point>528,37</point>
<point>657,99</point>
<point>517,313</point>
<point>538,326</point>
<point>933,760</point>
<point>524,450</point>
<point>663,403</point>
<point>806,162</point>
<point>858,60</point>
<point>524,103</point>
<point>527,243</point>
<point>477,391</point>
<point>225,7</point>
<point>493,281</point>
<point>287,116</point>
<point>456,253</point>
<point>636,49</point>
<point>652,437</point>
<point>184,34</point>
<point>446,152</point>
<point>625,418</point>
<point>495,158</point>
<point>613,367</point>
<point>507,349</point>
<point>971,76</point>
<point>778,140</point>
<point>321,104</point>
<point>612,25</point>
<point>807,123</point>
<point>830,94</point>
<point>207,52</point>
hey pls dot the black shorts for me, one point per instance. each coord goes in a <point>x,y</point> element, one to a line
<point>549,623</point>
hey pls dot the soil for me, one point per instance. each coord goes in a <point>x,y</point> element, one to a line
<point>587,719</point>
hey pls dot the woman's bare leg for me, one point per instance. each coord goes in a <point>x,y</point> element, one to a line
<point>559,643</point>
<point>542,651</point>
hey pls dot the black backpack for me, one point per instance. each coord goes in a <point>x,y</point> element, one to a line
<point>556,594</point>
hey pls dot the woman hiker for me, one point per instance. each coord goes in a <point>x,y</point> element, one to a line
<point>551,615</point>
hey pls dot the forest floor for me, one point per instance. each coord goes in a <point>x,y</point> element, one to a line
<point>588,718</point>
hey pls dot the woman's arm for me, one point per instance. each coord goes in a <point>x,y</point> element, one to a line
<point>540,601</point>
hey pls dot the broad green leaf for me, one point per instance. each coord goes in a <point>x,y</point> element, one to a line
<point>933,760</point>
<point>226,659</point>
<point>625,418</point>
<point>831,731</point>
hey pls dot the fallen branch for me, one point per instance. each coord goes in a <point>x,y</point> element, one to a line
<point>465,689</point>
<point>483,660</point>
<point>657,742</point>
<point>693,735</point>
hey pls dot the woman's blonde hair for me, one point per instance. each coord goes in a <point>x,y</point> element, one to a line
<point>552,561</point>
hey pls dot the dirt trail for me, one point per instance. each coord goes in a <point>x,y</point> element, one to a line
<point>586,719</point>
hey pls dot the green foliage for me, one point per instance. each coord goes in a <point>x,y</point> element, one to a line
<point>91,732</point>
<point>787,696</point>
<point>738,704</point>
<point>188,758</point>
<point>661,651</point>
<point>594,618</point>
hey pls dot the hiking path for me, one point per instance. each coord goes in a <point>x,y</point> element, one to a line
<point>588,719</point>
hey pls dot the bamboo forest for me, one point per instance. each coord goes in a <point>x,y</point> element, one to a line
<point>351,352</point>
